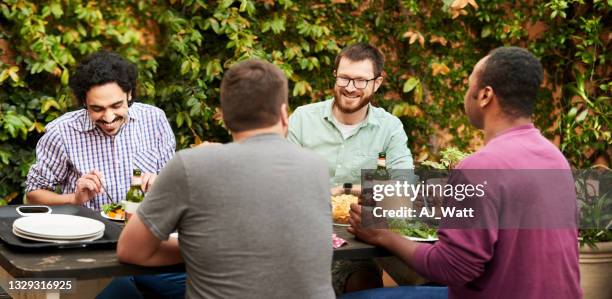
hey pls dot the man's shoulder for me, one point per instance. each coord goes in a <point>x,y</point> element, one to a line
<point>384,117</point>
<point>316,109</point>
<point>233,151</point>
<point>142,109</point>
<point>72,119</point>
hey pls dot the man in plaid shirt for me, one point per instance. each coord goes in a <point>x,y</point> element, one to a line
<point>85,151</point>
<point>90,154</point>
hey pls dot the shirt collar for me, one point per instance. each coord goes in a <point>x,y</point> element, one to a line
<point>89,125</point>
<point>514,130</point>
<point>370,119</point>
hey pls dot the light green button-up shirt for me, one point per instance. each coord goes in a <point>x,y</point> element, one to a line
<point>313,126</point>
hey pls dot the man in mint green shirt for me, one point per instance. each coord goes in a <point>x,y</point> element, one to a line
<point>347,130</point>
<point>349,133</point>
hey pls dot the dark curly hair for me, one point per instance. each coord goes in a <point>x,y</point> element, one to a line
<point>515,76</point>
<point>100,68</point>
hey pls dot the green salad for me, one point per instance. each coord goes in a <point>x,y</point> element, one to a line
<point>413,228</point>
<point>111,207</point>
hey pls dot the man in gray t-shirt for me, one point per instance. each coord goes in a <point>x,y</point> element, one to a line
<point>253,216</point>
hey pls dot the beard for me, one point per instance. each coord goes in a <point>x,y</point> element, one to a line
<point>340,103</point>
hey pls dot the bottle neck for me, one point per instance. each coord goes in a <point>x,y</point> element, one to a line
<point>381,163</point>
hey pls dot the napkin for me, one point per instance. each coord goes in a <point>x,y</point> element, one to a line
<point>337,242</point>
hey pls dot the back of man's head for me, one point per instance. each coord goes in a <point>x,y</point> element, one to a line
<point>360,52</point>
<point>252,93</point>
<point>515,76</point>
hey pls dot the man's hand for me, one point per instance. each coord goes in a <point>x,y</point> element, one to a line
<point>401,247</point>
<point>374,236</point>
<point>87,186</point>
<point>147,181</point>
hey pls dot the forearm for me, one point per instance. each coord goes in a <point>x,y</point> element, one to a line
<point>399,246</point>
<point>167,253</point>
<point>46,197</point>
<point>137,245</point>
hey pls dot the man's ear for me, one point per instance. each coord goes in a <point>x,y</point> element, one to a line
<point>378,82</point>
<point>284,115</point>
<point>129,98</point>
<point>485,96</point>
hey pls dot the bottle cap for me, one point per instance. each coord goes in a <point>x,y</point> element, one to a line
<point>347,188</point>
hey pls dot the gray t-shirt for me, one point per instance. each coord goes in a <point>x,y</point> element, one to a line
<point>253,218</point>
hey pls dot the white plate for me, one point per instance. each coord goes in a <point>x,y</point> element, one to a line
<point>100,235</point>
<point>111,218</point>
<point>418,239</point>
<point>341,224</point>
<point>58,226</point>
<point>15,229</point>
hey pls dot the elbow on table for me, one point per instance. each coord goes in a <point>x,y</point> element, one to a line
<point>32,197</point>
<point>126,254</point>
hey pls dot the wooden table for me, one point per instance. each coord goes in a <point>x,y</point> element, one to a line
<point>92,269</point>
<point>355,249</point>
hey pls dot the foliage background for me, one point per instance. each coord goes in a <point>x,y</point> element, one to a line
<point>182,48</point>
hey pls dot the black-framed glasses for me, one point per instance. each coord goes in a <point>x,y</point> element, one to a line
<point>358,83</point>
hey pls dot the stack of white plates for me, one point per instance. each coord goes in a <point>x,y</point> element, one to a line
<point>58,228</point>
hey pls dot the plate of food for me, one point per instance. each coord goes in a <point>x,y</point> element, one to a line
<point>341,205</point>
<point>415,231</point>
<point>113,211</point>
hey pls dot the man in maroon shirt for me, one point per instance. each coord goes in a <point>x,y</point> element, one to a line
<point>524,244</point>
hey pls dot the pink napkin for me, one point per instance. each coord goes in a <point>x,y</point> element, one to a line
<point>337,241</point>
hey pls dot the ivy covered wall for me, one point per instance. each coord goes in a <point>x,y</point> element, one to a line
<point>182,49</point>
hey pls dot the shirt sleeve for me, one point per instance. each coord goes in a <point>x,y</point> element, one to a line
<point>51,165</point>
<point>162,209</point>
<point>166,142</point>
<point>399,158</point>
<point>465,246</point>
<point>295,127</point>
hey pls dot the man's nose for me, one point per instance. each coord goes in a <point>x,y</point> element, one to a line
<point>351,86</point>
<point>109,116</point>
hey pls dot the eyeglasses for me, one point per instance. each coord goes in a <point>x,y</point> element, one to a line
<point>358,83</point>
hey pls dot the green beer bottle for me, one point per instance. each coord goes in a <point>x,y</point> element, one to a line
<point>134,196</point>
<point>381,173</point>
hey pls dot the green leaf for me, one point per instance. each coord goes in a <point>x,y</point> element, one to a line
<point>56,10</point>
<point>226,3</point>
<point>582,115</point>
<point>486,31</point>
<point>410,84</point>
<point>185,67</point>
<point>4,157</point>
<point>13,120</point>
<point>49,66</point>
<point>64,78</point>
<point>47,104</point>
<point>572,113</point>
<point>4,75</point>
<point>179,119</point>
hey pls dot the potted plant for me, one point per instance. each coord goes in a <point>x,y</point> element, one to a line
<point>595,234</point>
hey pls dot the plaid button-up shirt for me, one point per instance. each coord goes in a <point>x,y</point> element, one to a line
<point>73,145</point>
